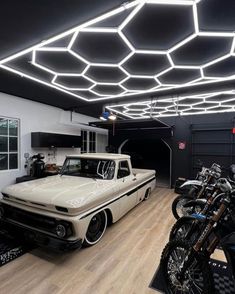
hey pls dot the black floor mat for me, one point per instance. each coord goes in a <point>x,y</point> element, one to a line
<point>11,247</point>
<point>224,283</point>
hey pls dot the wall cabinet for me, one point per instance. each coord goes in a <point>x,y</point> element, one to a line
<point>51,140</point>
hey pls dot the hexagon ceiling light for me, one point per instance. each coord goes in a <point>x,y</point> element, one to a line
<point>141,47</point>
<point>186,105</point>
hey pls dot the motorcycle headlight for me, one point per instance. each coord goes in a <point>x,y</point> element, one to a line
<point>61,231</point>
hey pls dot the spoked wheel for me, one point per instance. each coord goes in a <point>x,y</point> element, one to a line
<point>96,229</point>
<point>178,208</point>
<point>197,278</point>
<point>185,229</point>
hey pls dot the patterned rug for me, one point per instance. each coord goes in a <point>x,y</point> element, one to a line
<point>11,247</point>
<point>224,282</point>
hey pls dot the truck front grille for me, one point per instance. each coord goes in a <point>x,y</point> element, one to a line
<point>34,220</point>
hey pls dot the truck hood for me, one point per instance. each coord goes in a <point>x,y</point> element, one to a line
<point>74,193</point>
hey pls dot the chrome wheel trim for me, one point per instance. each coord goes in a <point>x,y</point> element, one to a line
<point>103,231</point>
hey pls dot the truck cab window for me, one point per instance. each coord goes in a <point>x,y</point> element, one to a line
<point>123,169</point>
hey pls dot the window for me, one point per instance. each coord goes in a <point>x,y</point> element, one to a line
<point>84,141</point>
<point>88,142</point>
<point>89,168</point>
<point>9,143</point>
<point>123,169</point>
<point>92,142</point>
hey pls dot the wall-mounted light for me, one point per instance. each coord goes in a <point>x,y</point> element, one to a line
<point>102,118</point>
<point>105,115</point>
<point>108,115</point>
<point>112,116</point>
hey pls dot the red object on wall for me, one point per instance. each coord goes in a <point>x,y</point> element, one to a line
<point>233,130</point>
<point>182,145</point>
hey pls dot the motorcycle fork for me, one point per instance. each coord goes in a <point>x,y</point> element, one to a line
<point>190,232</point>
<point>205,234</point>
<point>201,192</point>
<point>202,240</point>
<point>212,246</point>
<point>209,202</point>
<point>203,188</point>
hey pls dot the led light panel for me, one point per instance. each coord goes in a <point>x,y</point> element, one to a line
<point>186,105</point>
<point>141,47</point>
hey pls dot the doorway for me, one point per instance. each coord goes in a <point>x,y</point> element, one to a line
<point>150,154</point>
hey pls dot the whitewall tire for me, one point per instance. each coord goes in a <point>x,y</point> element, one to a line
<point>96,229</point>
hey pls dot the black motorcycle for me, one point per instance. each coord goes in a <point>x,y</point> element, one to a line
<point>187,227</point>
<point>185,265</point>
<point>196,189</point>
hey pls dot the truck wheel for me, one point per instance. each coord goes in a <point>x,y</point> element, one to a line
<point>147,194</point>
<point>96,229</point>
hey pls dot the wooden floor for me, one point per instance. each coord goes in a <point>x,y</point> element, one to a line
<point>123,262</point>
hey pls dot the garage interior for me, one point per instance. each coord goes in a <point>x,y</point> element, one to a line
<point>149,158</point>
<point>149,79</point>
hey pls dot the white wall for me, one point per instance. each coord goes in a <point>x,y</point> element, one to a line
<point>37,117</point>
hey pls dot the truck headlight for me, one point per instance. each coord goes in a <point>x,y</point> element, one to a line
<point>60,231</point>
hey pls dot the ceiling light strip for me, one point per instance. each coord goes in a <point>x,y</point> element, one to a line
<point>66,33</point>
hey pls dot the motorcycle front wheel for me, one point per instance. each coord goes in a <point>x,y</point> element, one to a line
<point>178,208</point>
<point>185,229</point>
<point>197,278</point>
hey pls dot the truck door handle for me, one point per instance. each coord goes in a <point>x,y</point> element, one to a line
<point>134,179</point>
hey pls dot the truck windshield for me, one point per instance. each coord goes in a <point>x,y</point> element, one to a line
<point>89,168</point>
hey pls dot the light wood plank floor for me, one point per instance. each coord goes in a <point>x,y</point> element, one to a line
<point>123,262</point>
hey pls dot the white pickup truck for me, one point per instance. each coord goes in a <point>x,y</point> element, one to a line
<point>74,208</point>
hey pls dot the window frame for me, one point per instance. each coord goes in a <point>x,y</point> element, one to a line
<point>129,169</point>
<point>8,136</point>
<point>91,138</point>
<point>84,142</point>
<point>67,163</point>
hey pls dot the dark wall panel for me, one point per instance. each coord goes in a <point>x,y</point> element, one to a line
<point>214,130</point>
<point>207,137</point>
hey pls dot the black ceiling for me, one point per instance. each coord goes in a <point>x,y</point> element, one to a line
<point>26,23</point>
